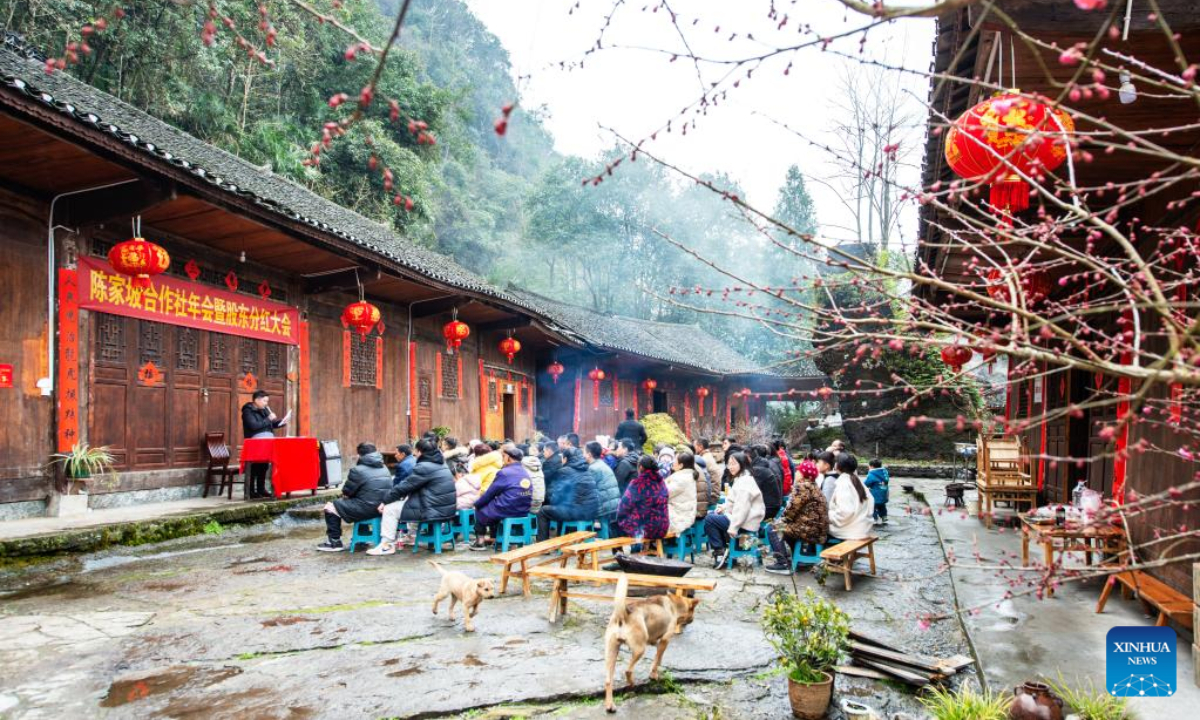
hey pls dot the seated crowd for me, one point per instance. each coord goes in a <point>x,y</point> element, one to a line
<point>724,490</point>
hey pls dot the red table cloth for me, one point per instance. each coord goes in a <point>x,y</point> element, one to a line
<point>294,462</point>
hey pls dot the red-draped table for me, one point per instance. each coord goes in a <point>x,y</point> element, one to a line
<point>294,462</point>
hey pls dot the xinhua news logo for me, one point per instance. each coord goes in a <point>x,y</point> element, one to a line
<point>1141,662</point>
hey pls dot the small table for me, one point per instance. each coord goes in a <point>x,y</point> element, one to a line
<point>294,462</point>
<point>1099,538</point>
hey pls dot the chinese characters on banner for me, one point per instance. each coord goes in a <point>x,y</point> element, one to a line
<point>68,359</point>
<point>180,302</point>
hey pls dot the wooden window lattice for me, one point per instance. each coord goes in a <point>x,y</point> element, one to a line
<point>606,394</point>
<point>425,392</point>
<point>111,334</point>
<point>218,353</point>
<point>249,362</point>
<point>449,376</point>
<point>150,343</point>
<point>275,360</point>
<point>493,394</point>
<point>187,348</point>
<point>362,361</point>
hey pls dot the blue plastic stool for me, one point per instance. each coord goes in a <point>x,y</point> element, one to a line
<point>735,552</point>
<point>435,533</point>
<point>605,532</point>
<point>570,526</point>
<point>365,531</point>
<point>799,558</point>
<point>684,544</point>
<point>515,531</point>
<point>699,538</point>
<point>466,522</point>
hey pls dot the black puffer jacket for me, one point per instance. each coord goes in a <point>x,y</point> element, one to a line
<point>256,420</point>
<point>429,489</point>
<point>366,486</point>
<point>574,495</point>
<point>770,486</point>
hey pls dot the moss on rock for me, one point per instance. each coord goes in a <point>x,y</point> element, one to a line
<point>661,428</point>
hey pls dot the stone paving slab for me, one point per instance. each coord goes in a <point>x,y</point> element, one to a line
<point>256,623</point>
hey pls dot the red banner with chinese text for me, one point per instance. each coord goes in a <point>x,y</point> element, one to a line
<point>68,359</point>
<point>176,301</point>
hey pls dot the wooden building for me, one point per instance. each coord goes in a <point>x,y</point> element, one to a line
<point>968,45</point>
<point>261,270</point>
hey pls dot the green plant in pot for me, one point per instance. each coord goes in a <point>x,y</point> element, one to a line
<point>82,463</point>
<point>811,635</point>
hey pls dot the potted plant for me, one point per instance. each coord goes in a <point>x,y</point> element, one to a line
<point>966,704</point>
<point>811,636</point>
<point>79,466</point>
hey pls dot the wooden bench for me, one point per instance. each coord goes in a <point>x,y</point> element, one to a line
<point>587,554</point>
<point>531,556</point>
<point>562,577</point>
<point>840,558</point>
<point>1154,594</point>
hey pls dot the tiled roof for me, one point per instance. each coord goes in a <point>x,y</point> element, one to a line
<point>683,345</point>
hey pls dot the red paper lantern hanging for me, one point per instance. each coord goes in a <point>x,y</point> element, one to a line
<point>650,384</point>
<point>361,317</point>
<point>139,258</point>
<point>702,392</point>
<point>825,393</point>
<point>1003,138</point>
<point>745,392</point>
<point>1033,283</point>
<point>596,375</point>
<point>455,332</point>
<point>510,346</point>
<point>956,356</point>
<point>556,370</point>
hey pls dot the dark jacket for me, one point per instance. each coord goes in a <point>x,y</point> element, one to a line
<point>606,489</point>
<point>768,485</point>
<point>509,495</point>
<point>877,482</point>
<point>785,470</point>
<point>806,518</point>
<point>633,430</point>
<point>366,486</point>
<point>625,471</point>
<point>256,420</point>
<point>644,510</point>
<point>573,494</point>
<point>403,469</point>
<point>550,468</point>
<point>430,490</point>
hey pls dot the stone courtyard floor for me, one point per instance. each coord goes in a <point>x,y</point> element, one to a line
<point>254,623</point>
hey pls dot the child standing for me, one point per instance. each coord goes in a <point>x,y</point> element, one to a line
<point>877,482</point>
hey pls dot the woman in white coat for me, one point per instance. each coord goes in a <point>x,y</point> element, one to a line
<point>743,509</point>
<point>681,493</point>
<point>851,508</point>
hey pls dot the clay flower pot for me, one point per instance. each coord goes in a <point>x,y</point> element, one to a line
<point>1035,701</point>
<point>810,701</point>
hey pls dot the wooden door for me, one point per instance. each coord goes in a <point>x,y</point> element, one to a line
<point>156,389</point>
<point>510,416</point>
<point>1057,478</point>
<point>1100,465</point>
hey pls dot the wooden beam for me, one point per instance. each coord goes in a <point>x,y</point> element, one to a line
<point>514,323</point>
<point>346,279</point>
<point>439,306</point>
<point>120,201</point>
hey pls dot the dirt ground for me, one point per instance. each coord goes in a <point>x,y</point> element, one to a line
<point>255,623</point>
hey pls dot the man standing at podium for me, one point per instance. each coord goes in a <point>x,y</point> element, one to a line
<point>259,422</point>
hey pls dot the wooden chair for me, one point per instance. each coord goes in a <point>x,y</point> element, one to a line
<point>219,473</point>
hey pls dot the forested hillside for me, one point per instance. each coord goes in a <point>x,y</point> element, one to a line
<point>510,208</point>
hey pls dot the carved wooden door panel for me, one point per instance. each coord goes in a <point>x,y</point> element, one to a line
<point>111,372</point>
<point>424,402</point>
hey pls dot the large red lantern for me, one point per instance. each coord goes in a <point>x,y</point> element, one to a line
<point>650,384</point>
<point>455,332</point>
<point>825,393</point>
<point>361,317</point>
<point>702,392</point>
<point>1003,138</point>
<point>1033,283</point>
<point>556,370</point>
<point>510,346</point>
<point>140,258</point>
<point>955,356</point>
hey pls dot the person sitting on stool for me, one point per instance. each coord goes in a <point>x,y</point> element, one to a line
<point>259,422</point>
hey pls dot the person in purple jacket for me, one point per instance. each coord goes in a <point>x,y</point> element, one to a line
<point>643,512</point>
<point>509,495</point>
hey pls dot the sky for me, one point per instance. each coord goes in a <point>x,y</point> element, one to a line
<point>634,87</point>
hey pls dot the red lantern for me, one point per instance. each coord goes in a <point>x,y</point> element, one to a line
<point>140,258</point>
<point>955,356</point>
<point>1003,138</point>
<point>596,375</point>
<point>361,317</point>
<point>745,392</point>
<point>1033,283</point>
<point>702,392</point>
<point>510,346</point>
<point>825,393</point>
<point>650,384</point>
<point>556,370</point>
<point>455,332</point>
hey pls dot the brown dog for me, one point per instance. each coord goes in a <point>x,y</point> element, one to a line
<point>467,590</point>
<point>638,624</point>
